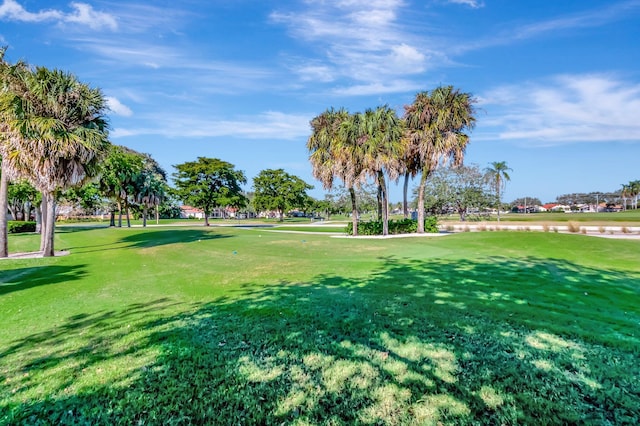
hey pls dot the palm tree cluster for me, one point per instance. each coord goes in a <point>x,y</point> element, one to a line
<point>131,178</point>
<point>379,145</point>
<point>53,133</point>
<point>631,191</point>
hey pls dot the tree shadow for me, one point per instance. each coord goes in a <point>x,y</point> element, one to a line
<point>153,238</point>
<point>499,342</point>
<point>24,278</point>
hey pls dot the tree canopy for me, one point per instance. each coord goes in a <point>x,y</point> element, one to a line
<point>275,189</point>
<point>209,183</point>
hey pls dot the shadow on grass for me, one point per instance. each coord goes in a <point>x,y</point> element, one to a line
<point>14,279</point>
<point>500,342</point>
<point>153,238</point>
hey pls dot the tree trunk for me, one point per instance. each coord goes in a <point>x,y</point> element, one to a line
<point>126,211</point>
<point>112,218</point>
<point>405,201</point>
<point>157,214</point>
<point>119,214</point>
<point>27,211</point>
<point>379,198</point>
<point>38,212</point>
<point>12,211</point>
<point>206,218</point>
<point>48,250</point>
<point>4,192</point>
<point>44,207</point>
<point>354,211</point>
<point>423,182</point>
<point>144,216</point>
<point>385,203</point>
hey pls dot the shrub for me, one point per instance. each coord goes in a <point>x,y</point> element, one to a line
<point>402,226</point>
<point>17,227</point>
<point>573,227</point>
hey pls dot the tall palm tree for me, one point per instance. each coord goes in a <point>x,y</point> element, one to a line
<point>381,134</point>
<point>62,137</point>
<point>435,125</point>
<point>10,78</point>
<point>634,191</point>
<point>334,153</point>
<point>498,175</point>
<point>624,193</point>
<point>151,187</point>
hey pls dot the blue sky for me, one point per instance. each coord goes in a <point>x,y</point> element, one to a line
<point>557,82</point>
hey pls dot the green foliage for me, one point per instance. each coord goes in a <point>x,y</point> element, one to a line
<point>17,227</point>
<point>209,183</point>
<point>275,189</point>
<point>457,189</point>
<point>402,226</point>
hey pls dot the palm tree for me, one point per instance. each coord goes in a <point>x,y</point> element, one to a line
<point>334,153</point>
<point>381,134</point>
<point>634,191</point>
<point>151,187</point>
<point>498,175</point>
<point>121,170</point>
<point>624,193</point>
<point>61,137</point>
<point>435,123</point>
<point>10,78</point>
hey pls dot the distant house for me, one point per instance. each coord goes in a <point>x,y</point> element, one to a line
<point>188,212</point>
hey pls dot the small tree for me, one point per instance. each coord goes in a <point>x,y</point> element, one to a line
<point>280,191</point>
<point>498,174</point>
<point>209,183</point>
<point>457,189</point>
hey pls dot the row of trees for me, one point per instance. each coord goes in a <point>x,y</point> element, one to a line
<point>377,144</point>
<point>210,183</point>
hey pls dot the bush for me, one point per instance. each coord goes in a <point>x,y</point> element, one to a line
<point>403,226</point>
<point>17,227</point>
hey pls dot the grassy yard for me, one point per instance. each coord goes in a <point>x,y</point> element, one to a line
<point>233,326</point>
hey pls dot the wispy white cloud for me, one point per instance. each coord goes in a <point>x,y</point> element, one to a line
<point>565,109</point>
<point>81,13</point>
<point>475,4</point>
<point>266,125</point>
<point>597,17</point>
<point>118,107</point>
<point>359,41</point>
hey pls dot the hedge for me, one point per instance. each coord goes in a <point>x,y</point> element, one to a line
<point>402,226</point>
<point>17,227</point>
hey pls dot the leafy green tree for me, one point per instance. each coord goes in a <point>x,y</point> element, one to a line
<point>498,174</point>
<point>22,196</point>
<point>275,189</point>
<point>436,123</point>
<point>209,183</point>
<point>526,201</point>
<point>458,189</point>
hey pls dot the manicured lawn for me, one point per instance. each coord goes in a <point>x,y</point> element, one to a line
<point>233,326</point>
<point>630,217</point>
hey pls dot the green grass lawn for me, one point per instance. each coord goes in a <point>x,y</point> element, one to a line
<point>233,326</point>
